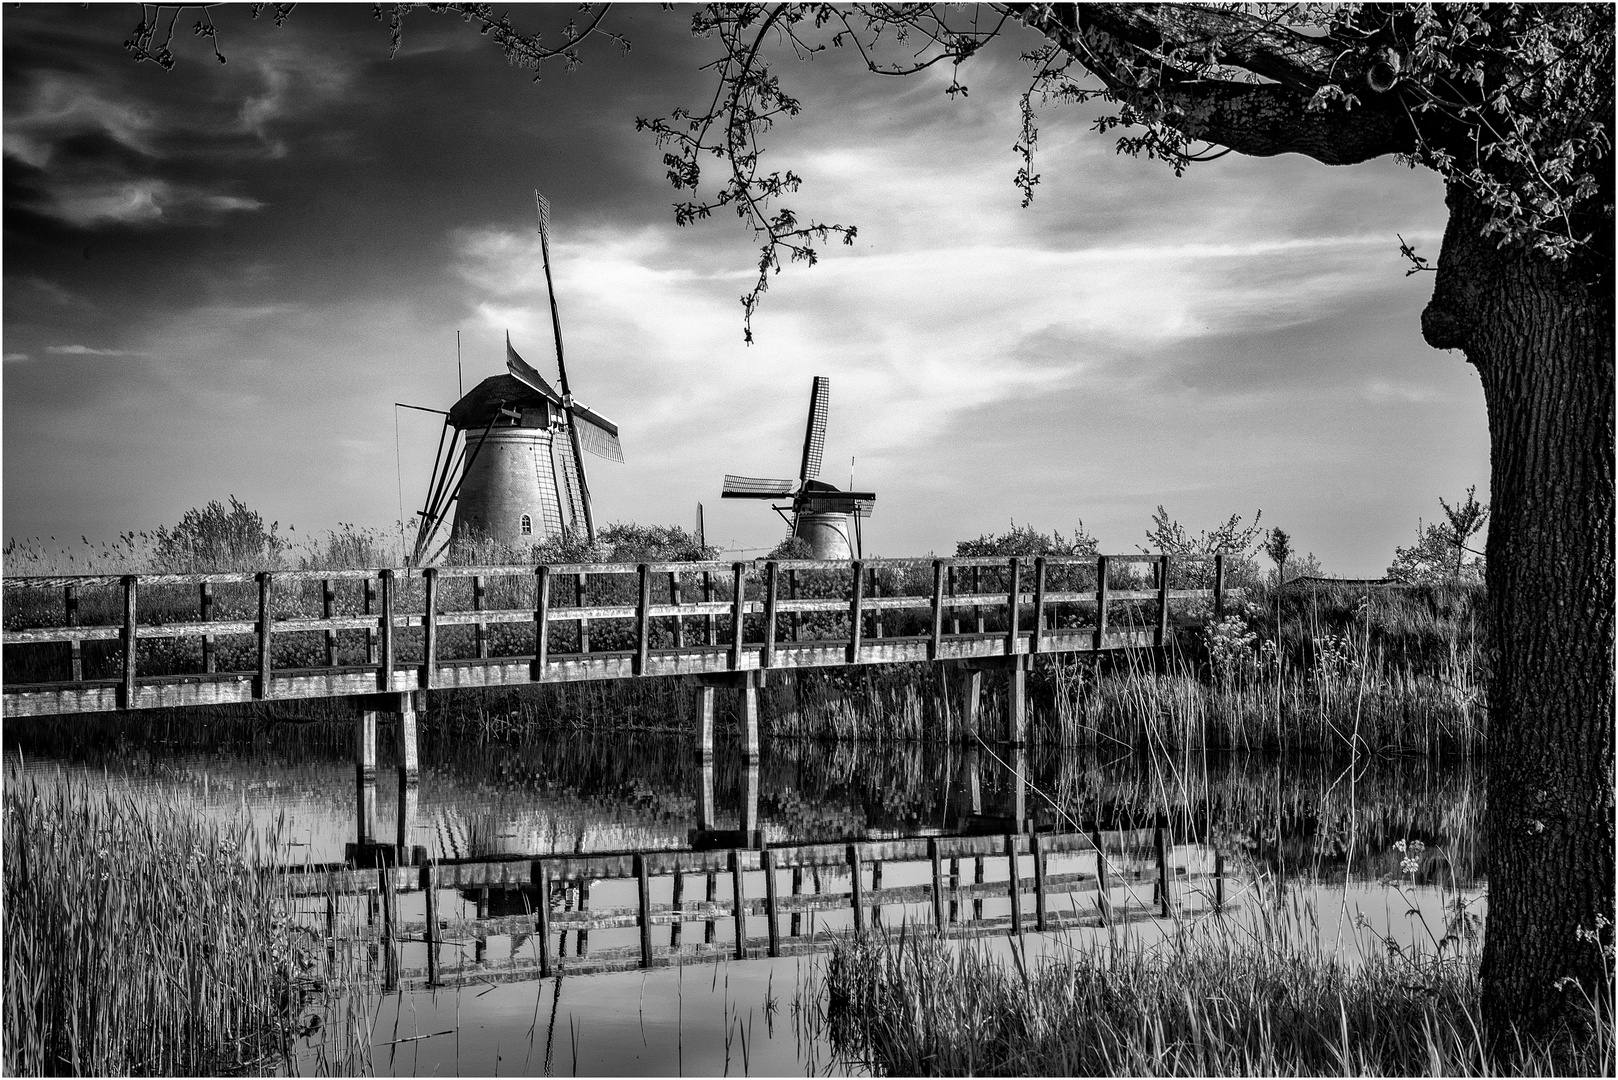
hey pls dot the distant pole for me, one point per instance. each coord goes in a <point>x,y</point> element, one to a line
<point>460,384</point>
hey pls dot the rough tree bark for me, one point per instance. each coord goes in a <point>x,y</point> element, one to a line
<point>1541,337</point>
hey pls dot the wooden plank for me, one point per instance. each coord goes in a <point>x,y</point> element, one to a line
<point>1162,602</point>
<point>1039,604</point>
<point>1013,607</point>
<point>542,915</point>
<point>328,608</point>
<point>740,905</point>
<point>429,634</point>
<point>1101,600</point>
<point>128,698</point>
<point>372,633</point>
<point>390,940</point>
<point>75,651</point>
<point>1103,902</point>
<point>938,879</point>
<point>792,594</point>
<point>1164,896</point>
<point>1013,878</point>
<point>542,622</point>
<point>644,883</point>
<point>738,613</point>
<point>772,572</point>
<point>857,588</point>
<point>875,608</point>
<point>643,637</point>
<point>674,601</point>
<point>857,887</point>
<point>938,611</point>
<point>955,621</point>
<point>581,588</point>
<point>432,933</point>
<point>977,587</point>
<point>1040,882</point>
<point>480,627</point>
<point>385,643</point>
<point>767,857</point>
<point>712,636</point>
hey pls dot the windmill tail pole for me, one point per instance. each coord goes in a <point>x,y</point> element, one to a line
<point>544,208</point>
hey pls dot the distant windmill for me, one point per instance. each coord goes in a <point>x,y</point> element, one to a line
<point>820,513</point>
<point>513,467</point>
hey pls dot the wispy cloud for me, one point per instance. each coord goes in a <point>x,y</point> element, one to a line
<point>85,350</point>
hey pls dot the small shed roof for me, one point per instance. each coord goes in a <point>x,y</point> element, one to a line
<point>480,404</point>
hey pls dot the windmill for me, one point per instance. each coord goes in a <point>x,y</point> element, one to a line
<point>820,513</point>
<point>510,460</point>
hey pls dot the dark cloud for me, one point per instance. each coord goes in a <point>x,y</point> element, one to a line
<point>257,258</point>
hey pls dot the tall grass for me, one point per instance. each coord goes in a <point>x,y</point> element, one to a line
<point>139,939</point>
<point>1220,1002</point>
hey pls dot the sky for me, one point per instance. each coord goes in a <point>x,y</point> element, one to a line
<point>219,279</point>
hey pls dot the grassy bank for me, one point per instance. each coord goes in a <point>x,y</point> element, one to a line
<point>1220,1003</point>
<point>138,939</point>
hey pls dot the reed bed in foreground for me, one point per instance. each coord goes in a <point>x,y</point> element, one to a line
<point>1196,1005</point>
<point>138,939</point>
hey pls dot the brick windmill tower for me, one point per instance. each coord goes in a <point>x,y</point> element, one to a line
<point>510,462</point>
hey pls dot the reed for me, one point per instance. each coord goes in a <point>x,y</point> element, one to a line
<point>139,939</point>
<point>1210,1003</point>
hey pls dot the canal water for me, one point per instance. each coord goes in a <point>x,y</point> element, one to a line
<point>1329,843</point>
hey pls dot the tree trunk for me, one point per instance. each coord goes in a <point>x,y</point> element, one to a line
<point>1541,337</point>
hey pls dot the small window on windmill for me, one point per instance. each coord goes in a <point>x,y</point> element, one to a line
<point>526,525</point>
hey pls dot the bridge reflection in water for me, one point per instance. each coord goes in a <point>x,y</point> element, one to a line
<point>391,914</point>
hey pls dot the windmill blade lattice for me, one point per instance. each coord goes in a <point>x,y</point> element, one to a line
<point>814,438</point>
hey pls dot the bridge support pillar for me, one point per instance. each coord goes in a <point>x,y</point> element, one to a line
<point>971,704</point>
<point>1017,706</point>
<point>409,759</point>
<point>705,726</point>
<point>365,776</point>
<point>747,717</point>
<point>746,684</point>
<point>750,801</point>
<point>706,811</point>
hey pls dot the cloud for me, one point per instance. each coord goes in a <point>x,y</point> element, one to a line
<point>18,356</point>
<point>85,350</point>
<point>141,202</point>
<point>60,106</point>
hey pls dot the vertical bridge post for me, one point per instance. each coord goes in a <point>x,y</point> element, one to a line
<point>1101,602</point>
<point>429,631</point>
<point>542,621</point>
<point>261,685</point>
<point>771,587</point>
<point>409,758</point>
<point>75,649</point>
<point>856,601</point>
<point>209,658</point>
<point>128,688</point>
<point>1162,635</point>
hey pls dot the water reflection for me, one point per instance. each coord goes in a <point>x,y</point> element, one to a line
<point>585,792</point>
<point>1290,832</point>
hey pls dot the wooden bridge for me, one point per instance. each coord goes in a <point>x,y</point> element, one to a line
<point>395,924</point>
<point>382,637</point>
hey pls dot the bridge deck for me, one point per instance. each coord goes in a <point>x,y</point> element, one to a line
<point>754,621</point>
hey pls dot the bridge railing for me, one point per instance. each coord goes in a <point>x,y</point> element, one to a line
<point>1047,881</point>
<point>122,628</point>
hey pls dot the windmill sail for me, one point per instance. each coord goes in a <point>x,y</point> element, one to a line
<point>814,438</point>
<point>748,487</point>
<point>524,373</point>
<point>597,434</point>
